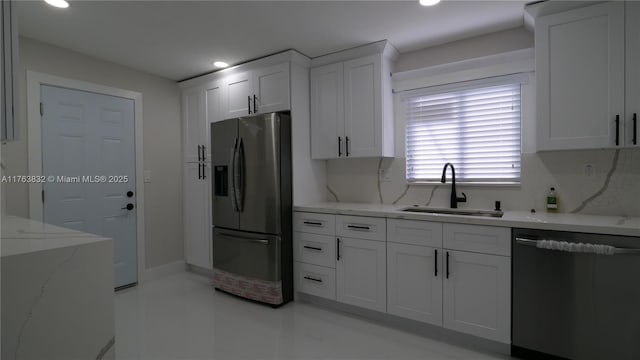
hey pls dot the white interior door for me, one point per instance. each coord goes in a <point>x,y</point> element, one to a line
<point>88,146</point>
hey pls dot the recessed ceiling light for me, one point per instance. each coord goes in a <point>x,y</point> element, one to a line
<point>58,3</point>
<point>429,2</point>
<point>220,64</point>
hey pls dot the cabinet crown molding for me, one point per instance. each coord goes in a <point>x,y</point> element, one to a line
<point>383,47</point>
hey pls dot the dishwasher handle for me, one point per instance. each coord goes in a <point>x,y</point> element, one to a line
<point>537,242</point>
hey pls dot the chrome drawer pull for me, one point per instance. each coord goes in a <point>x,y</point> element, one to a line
<point>313,279</point>
<point>312,248</point>
<point>312,223</point>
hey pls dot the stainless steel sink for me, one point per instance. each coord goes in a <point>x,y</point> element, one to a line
<point>466,212</point>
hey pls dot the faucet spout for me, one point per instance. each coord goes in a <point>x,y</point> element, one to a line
<point>454,195</point>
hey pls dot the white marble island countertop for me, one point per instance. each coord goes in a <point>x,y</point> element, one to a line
<point>596,224</point>
<point>23,236</point>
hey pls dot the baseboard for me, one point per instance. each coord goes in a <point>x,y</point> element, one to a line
<point>200,271</point>
<point>165,270</point>
<point>412,326</point>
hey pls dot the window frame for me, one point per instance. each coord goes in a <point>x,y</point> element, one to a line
<point>517,78</point>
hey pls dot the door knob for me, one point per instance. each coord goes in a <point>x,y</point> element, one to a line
<point>129,193</point>
<point>128,207</point>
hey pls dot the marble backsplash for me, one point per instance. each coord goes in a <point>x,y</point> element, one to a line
<point>611,187</point>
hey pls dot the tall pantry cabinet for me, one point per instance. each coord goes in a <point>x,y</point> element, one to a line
<point>275,83</point>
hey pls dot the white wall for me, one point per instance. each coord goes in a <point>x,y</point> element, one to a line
<point>484,45</point>
<point>356,180</point>
<point>161,138</point>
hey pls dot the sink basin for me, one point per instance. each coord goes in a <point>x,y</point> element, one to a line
<point>466,212</point>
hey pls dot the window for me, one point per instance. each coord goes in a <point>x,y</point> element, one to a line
<point>473,125</point>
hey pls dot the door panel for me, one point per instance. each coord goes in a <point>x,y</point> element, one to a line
<point>414,289</point>
<point>327,111</point>
<point>238,87</point>
<point>361,273</point>
<point>272,89</point>
<point>193,117</point>
<point>197,219</point>
<point>223,138</point>
<point>246,254</point>
<point>260,143</point>
<point>477,295</point>
<point>91,135</point>
<point>362,115</point>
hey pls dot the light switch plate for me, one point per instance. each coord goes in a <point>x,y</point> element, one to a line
<point>147,176</point>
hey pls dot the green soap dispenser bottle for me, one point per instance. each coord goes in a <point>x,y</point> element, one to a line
<point>552,200</point>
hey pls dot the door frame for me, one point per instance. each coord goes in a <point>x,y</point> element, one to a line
<point>35,80</point>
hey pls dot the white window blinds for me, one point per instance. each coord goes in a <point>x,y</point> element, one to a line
<point>474,126</point>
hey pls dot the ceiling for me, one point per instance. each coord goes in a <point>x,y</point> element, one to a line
<point>180,39</point>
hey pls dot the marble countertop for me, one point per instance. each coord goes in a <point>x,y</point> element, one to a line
<point>611,225</point>
<point>22,236</point>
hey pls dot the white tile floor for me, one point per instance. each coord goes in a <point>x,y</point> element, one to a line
<point>182,317</point>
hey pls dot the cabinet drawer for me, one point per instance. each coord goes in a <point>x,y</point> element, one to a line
<point>316,280</point>
<point>477,238</point>
<point>361,227</point>
<point>412,232</point>
<point>323,224</point>
<point>315,249</point>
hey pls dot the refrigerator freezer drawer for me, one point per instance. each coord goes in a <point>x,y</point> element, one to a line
<point>247,254</point>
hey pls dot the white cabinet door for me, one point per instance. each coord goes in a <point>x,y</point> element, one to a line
<point>580,78</point>
<point>327,112</point>
<point>197,221</point>
<point>477,294</point>
<point>414,282</point>
<point>362,107</point>
<point>239,93</point>
<point>632,11</point>
<point>193,118</point>
<point>361,273</point>
<point>271,89</point>
<point>214,98</point>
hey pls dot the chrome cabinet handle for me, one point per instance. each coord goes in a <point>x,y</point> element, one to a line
<point>312,248</point>
<point>313,223</point>
<point>339,146</point>
<point>204,171</point>
<point>313,279</point>
<point>635,129</point>
<point>249,104</point>
<point>255,108</point>
<point>338,249</point>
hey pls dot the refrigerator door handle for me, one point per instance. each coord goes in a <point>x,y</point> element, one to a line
<point>234,201</point>
<point>241,176</point>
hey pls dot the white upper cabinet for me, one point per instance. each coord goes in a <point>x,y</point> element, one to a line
<point>580,71</point>
<point>239,88</point>
<point>351,103</point>
<point>632,23</point>
<point>9,68</point>
<point>327,111</point>
<point>271,89</point>
<point>362,107</point>
<point>193,126</point>
<point>258,91</point>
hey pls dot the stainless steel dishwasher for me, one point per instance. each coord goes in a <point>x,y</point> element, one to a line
<point>572,301</point>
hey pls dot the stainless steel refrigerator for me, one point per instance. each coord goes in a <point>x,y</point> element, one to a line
<point>252,236</point>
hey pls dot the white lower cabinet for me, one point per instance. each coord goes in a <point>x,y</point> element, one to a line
<point>316,280</point>
<point>452,275</point>
<point>477,295</point>
<point>361,273</point>
<point>197,220</point>
<point>414,282</point>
